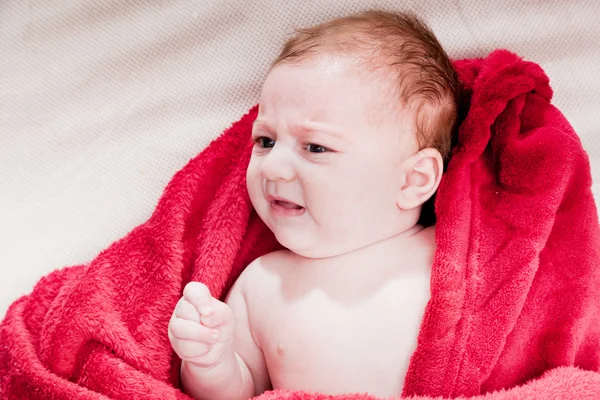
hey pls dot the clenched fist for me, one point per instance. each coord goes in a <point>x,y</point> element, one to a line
<point>201,327</point>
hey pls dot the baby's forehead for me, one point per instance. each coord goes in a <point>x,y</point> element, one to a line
<point>406,66</point>
<point>338,85</point>
<point>358,73</point>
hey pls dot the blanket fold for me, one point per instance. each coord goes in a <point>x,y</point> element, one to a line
<point>513,311</point>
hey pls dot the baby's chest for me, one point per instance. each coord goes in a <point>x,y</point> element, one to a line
<point>318,343</point>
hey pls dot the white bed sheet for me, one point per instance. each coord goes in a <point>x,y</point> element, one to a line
<point>102,101</point>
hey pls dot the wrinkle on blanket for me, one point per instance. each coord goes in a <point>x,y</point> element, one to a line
<point>513,311</point>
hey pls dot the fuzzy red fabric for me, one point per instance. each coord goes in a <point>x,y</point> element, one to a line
<point>514,309</point>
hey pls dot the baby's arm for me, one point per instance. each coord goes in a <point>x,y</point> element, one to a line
<point>212,369</point>
<point>243,340</point>
<point>228,379</point>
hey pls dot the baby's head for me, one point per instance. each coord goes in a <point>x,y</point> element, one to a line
<point>355,120</point>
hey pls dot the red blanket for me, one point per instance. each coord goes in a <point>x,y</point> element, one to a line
<point>514,287</point>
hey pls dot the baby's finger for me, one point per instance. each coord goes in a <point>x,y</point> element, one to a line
<point>183,329</point>
<point>185,310</point>
<point>222,315</point>
<point>199,295</point>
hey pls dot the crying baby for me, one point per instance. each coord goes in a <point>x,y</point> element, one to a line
<point>354,124</point>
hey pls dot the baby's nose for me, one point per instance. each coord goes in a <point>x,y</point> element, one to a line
<point>277,165</point>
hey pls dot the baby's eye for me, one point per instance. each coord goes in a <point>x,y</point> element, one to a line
<point>264,142</point>
<point>315,148</point>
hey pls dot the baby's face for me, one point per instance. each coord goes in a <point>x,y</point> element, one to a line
<point>327,163</point>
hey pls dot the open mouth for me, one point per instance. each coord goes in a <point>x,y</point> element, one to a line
<point>286,208</point>
<point>287,205</point>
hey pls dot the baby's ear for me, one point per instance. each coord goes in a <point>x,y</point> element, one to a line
<point>423,174</point>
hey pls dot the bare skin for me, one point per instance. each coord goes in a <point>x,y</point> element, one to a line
<point>343,325</point>
<point>335,325</point>
<point>340,310</point>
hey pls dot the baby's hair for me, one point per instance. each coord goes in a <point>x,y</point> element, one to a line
<point>403,43</point>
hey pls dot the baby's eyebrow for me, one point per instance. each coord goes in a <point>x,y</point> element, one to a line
<point>316,127</point>
<point>261,125</point>
<point>301,129</point>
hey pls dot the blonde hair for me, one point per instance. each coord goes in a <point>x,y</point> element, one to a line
<point>408,48</point>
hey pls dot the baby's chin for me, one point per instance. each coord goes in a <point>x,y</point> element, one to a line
<point>301,238</point>
<point>300,244</point>
<point>308,246</point>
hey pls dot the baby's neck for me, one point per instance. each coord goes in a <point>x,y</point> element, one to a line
<point>357,276</point>
<point>388,251</point>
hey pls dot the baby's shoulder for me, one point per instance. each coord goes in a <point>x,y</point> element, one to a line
<point>267,269</point>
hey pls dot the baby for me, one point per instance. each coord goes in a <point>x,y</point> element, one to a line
<point>354,123</point>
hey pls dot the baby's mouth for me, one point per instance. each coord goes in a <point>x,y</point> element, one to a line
<point>287,205</point>
<point>284,208</point>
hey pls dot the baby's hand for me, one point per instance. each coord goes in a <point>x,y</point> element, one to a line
<point>201,327</point>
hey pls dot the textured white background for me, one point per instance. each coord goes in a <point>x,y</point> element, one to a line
<point>102,101</point>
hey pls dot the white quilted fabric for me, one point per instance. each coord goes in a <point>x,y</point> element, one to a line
<point>102,101</point>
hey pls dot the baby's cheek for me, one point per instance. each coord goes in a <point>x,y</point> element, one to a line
<point>338,202</point>
<point>253,186</point>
